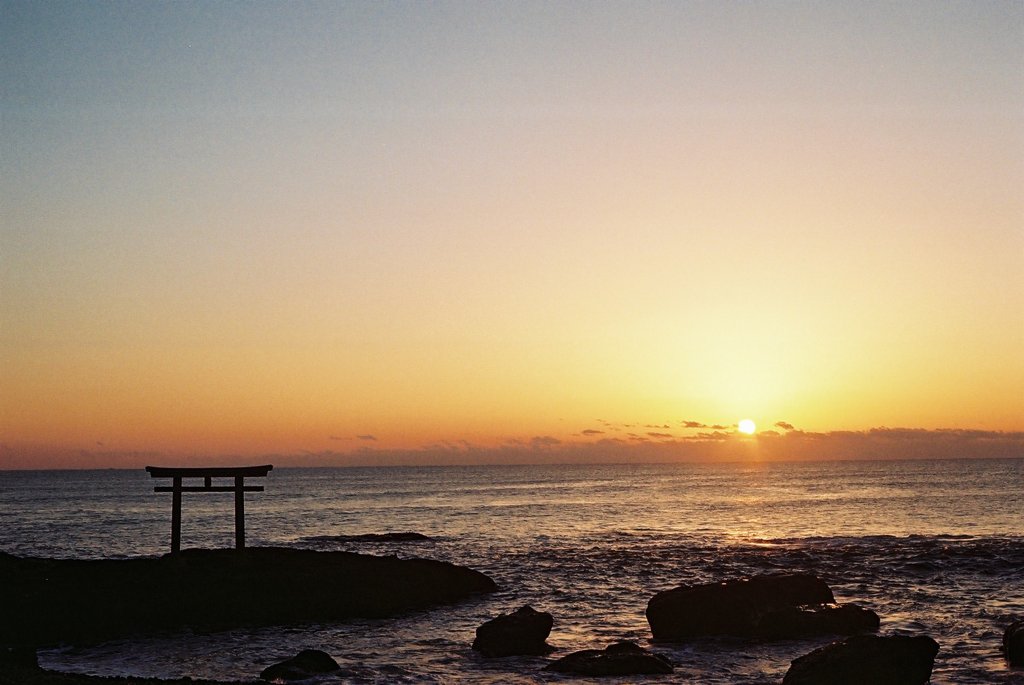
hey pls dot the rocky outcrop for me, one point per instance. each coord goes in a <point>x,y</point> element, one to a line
<point>24,675</point>
<point>370,537</point>
<point>821,619</point>
<point>302,666</point>
<point>1013,643</point>
<point>890,660</point>
<point>768,606</point>
<point>524,631</point>
<point>620,658</point>
<point>46,601</point>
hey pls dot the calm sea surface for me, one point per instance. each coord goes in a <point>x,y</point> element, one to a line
<point>935,547</point>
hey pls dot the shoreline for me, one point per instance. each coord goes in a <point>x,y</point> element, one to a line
<point>82,602</point>
<point>26,675</point>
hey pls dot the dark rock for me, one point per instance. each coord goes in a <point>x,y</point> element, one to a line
<point>1013,643</point>
<point>305,664</point>
<point>18,656</point>
<point>890,660</point>
<point>48,601</point>
<point>24,675</point>
<point>524,631</point>
<point>833,619</point>
<point>620,658</point>
<point>775,606</point>
<point>370,537</point>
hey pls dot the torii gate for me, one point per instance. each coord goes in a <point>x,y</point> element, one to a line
<point>239,473</point>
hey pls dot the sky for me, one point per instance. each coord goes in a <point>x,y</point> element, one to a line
<point>447,232</point>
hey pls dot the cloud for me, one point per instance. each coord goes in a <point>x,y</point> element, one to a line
<point>664,426</point>
<point>784,425</point>
<point>706,446</point>
<point>367,437</point>
<point>661,435</point>
<point>591,431</point>
<point>719,427</point>
<point>894,443</point>
<point>694,424</point>
<point>880,443</point>
<point>714,435</point>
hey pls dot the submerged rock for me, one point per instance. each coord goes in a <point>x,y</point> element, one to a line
<point>620,658</point>
<point>889,660</point>
<point>46,601</point>
<point>524,631</point>
<point>304,665</point>
<point>1013,643</point>
<point>771,606</point>
<point>371,537</point>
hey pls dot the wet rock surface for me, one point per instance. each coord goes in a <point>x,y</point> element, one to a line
<point>302,666</point>
<point>404,536</point>
<point>524,631</point>
<point>1013,643</point>
<point>767,606</point>
<point>834,619</point>
<point>861,659</point>
<point>618,659</point>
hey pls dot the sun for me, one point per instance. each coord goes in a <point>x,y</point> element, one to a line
<point>747,426</point>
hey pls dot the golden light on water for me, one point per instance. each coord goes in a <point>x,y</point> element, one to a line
<point>747,426</point>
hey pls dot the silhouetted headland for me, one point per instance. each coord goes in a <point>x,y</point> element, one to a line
<point>50,601</point>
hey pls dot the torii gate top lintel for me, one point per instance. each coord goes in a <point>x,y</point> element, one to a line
<point>211,471</point>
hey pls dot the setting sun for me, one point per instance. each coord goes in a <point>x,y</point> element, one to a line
<point>747,426</point>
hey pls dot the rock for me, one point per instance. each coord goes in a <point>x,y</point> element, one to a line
<point>889,660</point>
<point>43,603</point>
<point>522,632</point>
<point>774,606</point>
<point>620,658</point>
<point>18,656</point>
<point>370,537</point>
<point>1013,643</point>
<point>832,619</point>
<point>305,664</point>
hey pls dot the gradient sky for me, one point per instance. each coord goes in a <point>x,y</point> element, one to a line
<point>314,228</point>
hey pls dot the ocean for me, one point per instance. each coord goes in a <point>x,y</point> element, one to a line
<point>934,547</point>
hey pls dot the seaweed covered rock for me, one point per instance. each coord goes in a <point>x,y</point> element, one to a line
<point>888,660</point>
<point>770,606</point>
<point>620,658</point>
<point>524,631</point>
<point>302,666</point>
<point>46,601</point>
<point>1013,643</point>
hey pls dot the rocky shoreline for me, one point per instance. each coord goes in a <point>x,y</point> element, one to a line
<point>16,675</point>
<point>48,601</point>
<point>51,601</point>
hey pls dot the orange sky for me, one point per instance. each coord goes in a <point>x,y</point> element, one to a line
<point>236,231</point>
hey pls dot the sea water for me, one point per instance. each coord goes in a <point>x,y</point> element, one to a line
<point>934,547</point>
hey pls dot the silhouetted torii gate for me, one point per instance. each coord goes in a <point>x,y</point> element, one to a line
<point>239,473</point>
